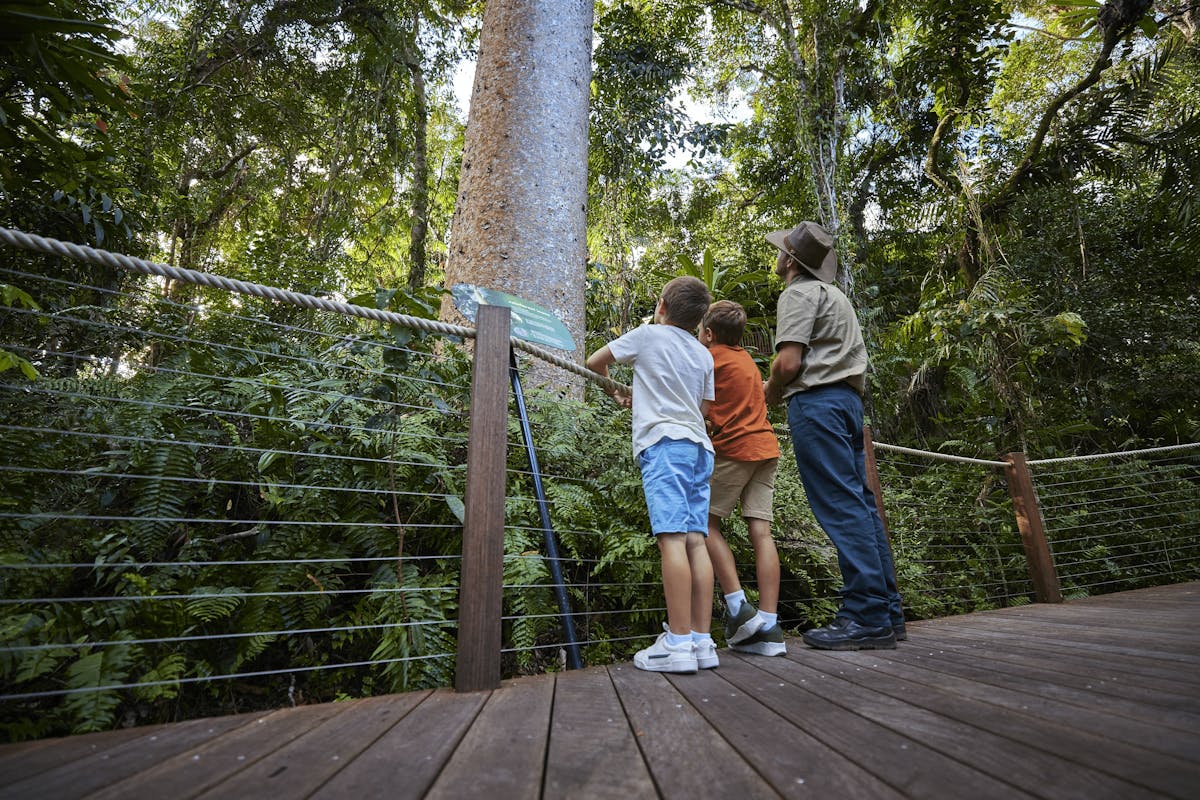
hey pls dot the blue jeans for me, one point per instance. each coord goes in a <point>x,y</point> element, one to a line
<point>827,436</point>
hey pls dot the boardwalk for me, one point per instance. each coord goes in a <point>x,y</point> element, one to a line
<point>1092,699</point>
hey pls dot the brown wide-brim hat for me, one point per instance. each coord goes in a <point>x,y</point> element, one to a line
<point>812,246</point>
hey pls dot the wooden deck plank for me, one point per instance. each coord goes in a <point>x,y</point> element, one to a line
<point>1164,774</point>
<point>1169,775</point>
<point>1081,625</point>
<point>1023,765</point>
<point>1115,651</point>
<point>26,759</point>
<point>906,764</point>
<point>406,759</point>
<point>1084,640</point>
<point>1097,698</point>
<point>191,772</point>
<point>504,753</point>
<point>313,758</point>
<point>1039,700</point>
<point>82,776</point>
<point>1073,680</point>
<point>1059,685</point>
<point>796,763</point>
<point>1131,664</point>
<point>593,751</point>
<point>1160,685</point>
<point>663,719</point>
<point>1158,618</point>
<point>1171,593</point>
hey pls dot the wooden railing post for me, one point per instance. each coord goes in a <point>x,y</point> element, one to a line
<point>1033,533</point>
<point>873,478</point>
<point>877,489</point>
<point>479,591</point>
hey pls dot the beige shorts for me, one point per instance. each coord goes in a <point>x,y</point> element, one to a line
<point>752,482</point>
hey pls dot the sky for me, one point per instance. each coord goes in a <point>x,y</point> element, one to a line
<point>464,77</point>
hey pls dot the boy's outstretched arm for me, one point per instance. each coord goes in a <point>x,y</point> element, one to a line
<point>598,362</point>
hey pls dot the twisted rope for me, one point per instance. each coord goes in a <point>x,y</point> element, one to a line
<point>1033,462</point>
<point>41,244</point>
<point>1147,451</point>
<point>895,448</point>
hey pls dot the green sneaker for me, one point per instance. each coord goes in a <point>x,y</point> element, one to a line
<point>767,642</point>
<point>742,625</point>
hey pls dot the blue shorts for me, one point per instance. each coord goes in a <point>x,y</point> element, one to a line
<point>675,475</point>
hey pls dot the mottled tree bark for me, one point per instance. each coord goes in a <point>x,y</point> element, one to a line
<point>420,176</point>
<point>521,217</point>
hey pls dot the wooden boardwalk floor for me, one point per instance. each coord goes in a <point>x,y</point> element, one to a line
<point>1096,698</point>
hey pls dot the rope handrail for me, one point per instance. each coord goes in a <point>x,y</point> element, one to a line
<point>42,244</point>
<point>895,448</point>
<point>1033,461</point>
<point>1095,456</point>
<point>36,243</point>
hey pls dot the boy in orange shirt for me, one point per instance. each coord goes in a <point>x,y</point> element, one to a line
<point>747,455</point>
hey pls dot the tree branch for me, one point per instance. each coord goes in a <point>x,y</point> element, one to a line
<point>935,143</point>
<point>743,5</point>
<point>1102,62</point>
<point>1045,32</point>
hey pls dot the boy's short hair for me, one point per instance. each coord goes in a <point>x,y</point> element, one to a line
<point>687,300</point>
<point>727,320</point>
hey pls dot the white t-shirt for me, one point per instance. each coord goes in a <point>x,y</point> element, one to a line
<point>672,374</point>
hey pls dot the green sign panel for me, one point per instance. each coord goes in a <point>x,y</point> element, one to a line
<point>530,321</point>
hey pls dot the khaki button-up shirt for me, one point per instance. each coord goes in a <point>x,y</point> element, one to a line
<point>819,316</point>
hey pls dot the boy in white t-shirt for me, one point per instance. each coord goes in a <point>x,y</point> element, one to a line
<point>672,389</point>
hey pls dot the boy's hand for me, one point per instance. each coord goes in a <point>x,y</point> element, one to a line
<point>772,394</point>
<point>598,363</point>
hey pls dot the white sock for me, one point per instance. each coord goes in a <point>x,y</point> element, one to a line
<point>675,639</point>
<point>734,601</point>
<point>769,620</point>
<point>698,637</point>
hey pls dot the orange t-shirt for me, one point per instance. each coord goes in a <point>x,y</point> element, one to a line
<point>740,430</point>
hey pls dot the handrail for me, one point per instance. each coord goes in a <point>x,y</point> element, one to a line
<point>92,255</point>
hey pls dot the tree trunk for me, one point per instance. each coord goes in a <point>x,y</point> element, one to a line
<point>520,223</point>
<point>420,177</point>
<point>818,38</point>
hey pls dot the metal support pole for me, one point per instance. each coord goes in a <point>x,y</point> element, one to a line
<point>564,602</point>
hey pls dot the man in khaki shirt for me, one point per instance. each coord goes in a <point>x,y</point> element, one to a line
<point>819,371</point>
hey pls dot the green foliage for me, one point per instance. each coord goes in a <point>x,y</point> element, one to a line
<point>94,705</point>
<point>62,89</point>
<point>234,439</point>
<point>1102,537</point>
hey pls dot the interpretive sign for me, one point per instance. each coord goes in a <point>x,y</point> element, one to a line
<point>530,322</point>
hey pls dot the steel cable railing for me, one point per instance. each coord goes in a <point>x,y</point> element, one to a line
<point>188,504</point>
<point>1122,520</point>
<point>198,496</point>
<point>955,541</point>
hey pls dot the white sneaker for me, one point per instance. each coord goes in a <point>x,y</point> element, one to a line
<point>663,657</point>
<point>706,654</point>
